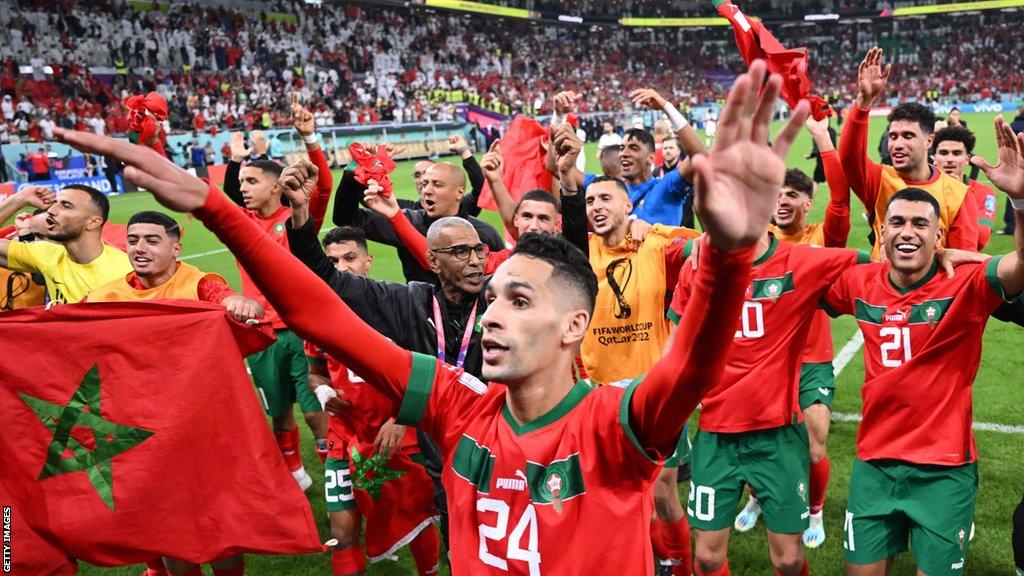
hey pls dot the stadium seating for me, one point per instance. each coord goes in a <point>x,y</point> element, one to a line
<point>222,69</point>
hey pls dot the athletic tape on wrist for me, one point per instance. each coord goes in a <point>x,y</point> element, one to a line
<point>324,393</point>
<point>675,117</point>
<point>1017,203</point>
<point>310,138</point>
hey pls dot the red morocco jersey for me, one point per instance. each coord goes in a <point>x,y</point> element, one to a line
<point>568,493</point>
<point>370,411</point>
<point>760,387</point>
<point>922,349</point>
<point>819,336</point>
<point>274,226</point>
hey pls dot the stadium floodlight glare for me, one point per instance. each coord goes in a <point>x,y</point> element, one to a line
<point>572,19</point>
<point>957,7</point>
<point>819,17</point>
<point>480,7</point>
<point>674,22</point>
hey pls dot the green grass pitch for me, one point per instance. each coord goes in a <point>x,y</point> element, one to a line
<point>999,398</point>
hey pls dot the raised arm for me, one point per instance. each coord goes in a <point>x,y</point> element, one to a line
<point>492,165</point>
<point>305,125</point>
<point>387,207</point>
<point>239,152</point>
<point>457,144</point>
<point>288,285</point>
<point>736,187</point>
<point>863,175</point>
<point>40,197</point>
<point>837,212</point>
<point>1008,176</point>
<point>691,143</point>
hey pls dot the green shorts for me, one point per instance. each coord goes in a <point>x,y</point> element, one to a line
<point>338,486</point>
<point>893,502</point>
<point>281,373</point>
<point>817,384</point>
<point>681,456</point>
<point>773,462</point>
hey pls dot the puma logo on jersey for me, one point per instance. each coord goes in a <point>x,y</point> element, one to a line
<point>898,316</point>
<point>824,391</point>
<point>518,484</point>
<point>957,565</point>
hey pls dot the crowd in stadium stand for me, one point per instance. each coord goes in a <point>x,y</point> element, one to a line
<point>222,69</point>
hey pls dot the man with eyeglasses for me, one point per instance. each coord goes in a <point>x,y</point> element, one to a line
<point>410,314</point>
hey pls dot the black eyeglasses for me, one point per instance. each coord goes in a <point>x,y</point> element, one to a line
<point>461,251</point>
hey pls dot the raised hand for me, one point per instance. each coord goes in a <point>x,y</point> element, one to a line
<point>239,151</point>
<point>647,98</point>
<point>260,144</point>
<point>386,206</point>
<point>565,101</point>
<point>567,146</point>
<point>302,118</point>
<point>298,181</point>
<point>871,77</point>
<point>457,145</point>
<point>492,162</point>
<point>1008,173</point>
<point>36,196</point>
<point>737,183</point>
<point>170,185</point>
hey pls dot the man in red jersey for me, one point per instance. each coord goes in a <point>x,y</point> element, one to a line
<point>910,137</point>
<point>817,382</point>
<point>750,429</point>
<point>916,473</point>
<point>953,148</point>
<point>279,372</point>
<point>369,469</point>
<point>539,468</point>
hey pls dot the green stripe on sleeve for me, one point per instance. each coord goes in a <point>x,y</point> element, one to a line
<point>672,316</point>
<point>828,309</point>
<point>627,397</point>
<point>992,275</point>
<point>417,391</point>
<point>863,257</point>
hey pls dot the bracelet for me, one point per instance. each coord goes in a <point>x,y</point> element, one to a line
<point>462,150</point>
<point>310,138</point>
<point>675,117</point>
<point>1017,203</point>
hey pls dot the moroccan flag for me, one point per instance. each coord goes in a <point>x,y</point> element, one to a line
<point>755,41</point>
<point>524,161</point>
<point>131,431</point>
<point>25,552</point>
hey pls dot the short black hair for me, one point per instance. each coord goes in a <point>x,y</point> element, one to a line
<point>797,180</point>
<point>158,218</point>
<point>99,199</point>
<point>916,195</point>
<point>642,135</point>
<point>537,195</point>
<point>618,182</point>
<point>914,112</point>
<point>608,150</point>
<point>346,234</point>
<point>570,267</point>
<point>956,134</point>
<point>269,166</point>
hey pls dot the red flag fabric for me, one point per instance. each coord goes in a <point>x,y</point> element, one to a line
<point>28,553</point>
<point>131,431</point>
<point>144,112</point>
<point>373,167</point>
<point>115,235</point>
<point>525,165</point>
<point>755,41</point>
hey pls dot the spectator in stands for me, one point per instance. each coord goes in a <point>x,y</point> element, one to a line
<point>40,166</point>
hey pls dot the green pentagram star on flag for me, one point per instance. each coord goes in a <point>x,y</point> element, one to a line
<point>80,414</point>
<point>371,473</point>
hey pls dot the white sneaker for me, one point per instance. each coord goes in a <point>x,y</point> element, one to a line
<point>303,479</point>
<point>814,536</point>
<point>747,517</point>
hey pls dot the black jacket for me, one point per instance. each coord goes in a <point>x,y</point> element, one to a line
<point>403,313</point>
<point>348,212</point>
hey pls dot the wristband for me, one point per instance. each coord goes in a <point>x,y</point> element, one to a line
<point>462,150</point>
<point>675,117</point>
<point>324,393</point>
<point>557,120</point>
<point>1017,203</point>
<point>310,138</point>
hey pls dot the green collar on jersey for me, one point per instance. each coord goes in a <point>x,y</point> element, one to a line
<point>575,395</point>
<point>924,280</point>
<point>767,253</point>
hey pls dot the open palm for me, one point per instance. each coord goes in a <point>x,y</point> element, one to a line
<point>1008,174</point>
<point>871,76</point>
<point>738,181</point>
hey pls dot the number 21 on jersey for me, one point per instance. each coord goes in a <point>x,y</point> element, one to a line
<point>895,346</point>
<point>491,534</point>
